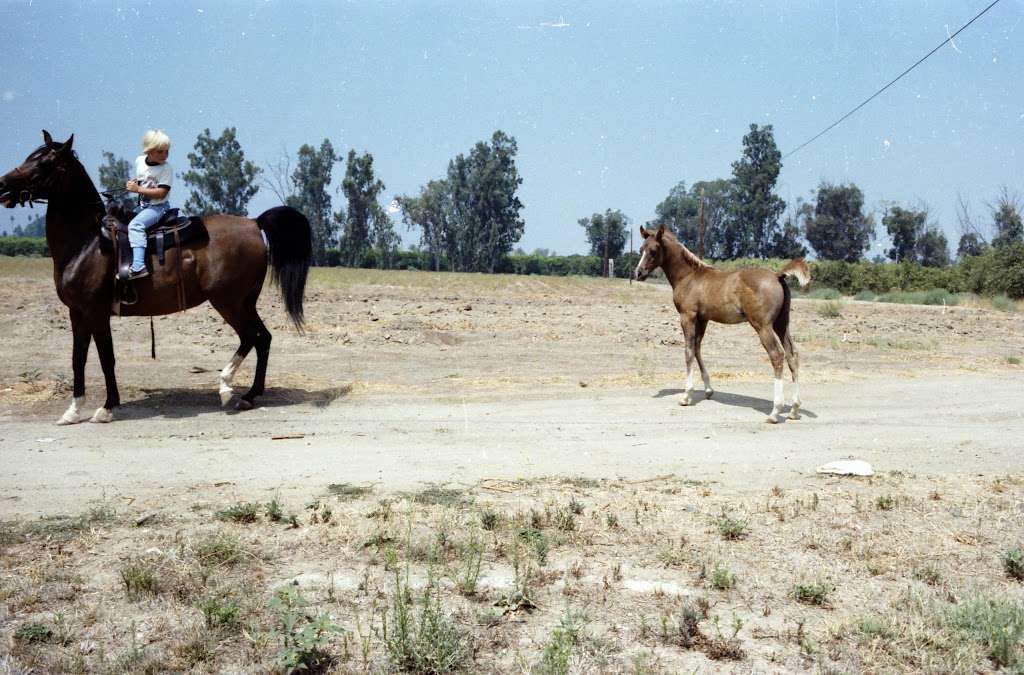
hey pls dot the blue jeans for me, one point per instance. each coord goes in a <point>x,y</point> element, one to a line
<point>147,218</point>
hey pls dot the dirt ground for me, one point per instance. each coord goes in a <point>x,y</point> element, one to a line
<point>410,378</point>
<point>517,394</point>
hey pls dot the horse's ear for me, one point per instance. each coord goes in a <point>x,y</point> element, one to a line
<point>660,232</point>
<point>643,232</point>
<point>68,143</point>
<point>47,138</point>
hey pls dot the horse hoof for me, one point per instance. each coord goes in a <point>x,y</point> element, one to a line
<point>685,401</point>
<point>225,396</point>
<point>69,418</point>
<point>772,419</point>
<point>708,393</point>
<point>243,405</point>
<point>102,416</point>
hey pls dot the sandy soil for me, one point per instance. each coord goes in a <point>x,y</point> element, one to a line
<point>411,378</point>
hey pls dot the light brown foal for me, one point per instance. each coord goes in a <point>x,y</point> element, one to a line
<point>701,294</point>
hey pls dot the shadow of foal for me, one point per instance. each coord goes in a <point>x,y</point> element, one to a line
<point>701,293</point>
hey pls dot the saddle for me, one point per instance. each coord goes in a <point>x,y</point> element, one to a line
<point>172,230</point>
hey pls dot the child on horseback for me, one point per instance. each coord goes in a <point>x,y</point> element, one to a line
<point>152,182</point>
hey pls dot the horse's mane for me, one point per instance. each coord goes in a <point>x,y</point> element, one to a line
<point>688,257</point>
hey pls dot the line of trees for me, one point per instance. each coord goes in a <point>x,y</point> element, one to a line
<point>745,218</point>
<point>469,218</point>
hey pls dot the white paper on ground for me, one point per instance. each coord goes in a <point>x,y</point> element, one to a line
<point>847,467</point>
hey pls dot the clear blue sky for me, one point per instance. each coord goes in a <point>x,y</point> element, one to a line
<point>612,103</point>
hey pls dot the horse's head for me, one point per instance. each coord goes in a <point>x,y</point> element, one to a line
<point>652,252</point>
<point>43,173</point>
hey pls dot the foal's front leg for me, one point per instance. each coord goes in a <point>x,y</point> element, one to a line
<point>701,326</point>
<point>687,321</point>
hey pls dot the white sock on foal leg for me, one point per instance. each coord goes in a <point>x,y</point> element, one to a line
<point>73,415</point>
<point>773,417</point>
<point>794,412</point>
<point>226,376</point>
<point>708,391</point>
<point>688,393</point>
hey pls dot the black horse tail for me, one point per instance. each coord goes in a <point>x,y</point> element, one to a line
<point>290,241</point>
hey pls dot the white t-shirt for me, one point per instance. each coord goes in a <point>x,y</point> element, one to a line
<point>151,176</point>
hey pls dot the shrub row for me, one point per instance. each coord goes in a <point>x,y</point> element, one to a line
<point>995,272</point>
<point>30,246</point>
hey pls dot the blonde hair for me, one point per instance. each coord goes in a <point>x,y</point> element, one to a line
<point>155,139</point>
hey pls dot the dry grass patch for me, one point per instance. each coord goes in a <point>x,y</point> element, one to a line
<point>533,577</point>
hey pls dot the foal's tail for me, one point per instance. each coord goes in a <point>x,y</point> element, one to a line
<point>290,241</point>
<point>799,269</point>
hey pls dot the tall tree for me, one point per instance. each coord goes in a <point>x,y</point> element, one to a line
<point>932,248</point>
<point>970,244</point>
<point>680,211</point>
<point>431,211</point>
<point>606,233</point>
<point>485,206</point>
<point>786,243</point>
<point>838,229</point>
<point>114,173</point>
<point>1006,220</point>
<point>905,228</point>
<point>365,225</point>
<point>309,194</point>
<point>222,180</point>
<point>755,206</point>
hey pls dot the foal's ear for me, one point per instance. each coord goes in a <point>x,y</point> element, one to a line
<point>643,232</point>
<point>660,232</point>
<point>68,143</point>
<point>47,138</point>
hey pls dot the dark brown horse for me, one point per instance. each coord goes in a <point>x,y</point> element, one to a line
<point>228,270</point>
<point>701,294</point>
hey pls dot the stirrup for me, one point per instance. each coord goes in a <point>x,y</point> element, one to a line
<point>133,275</point>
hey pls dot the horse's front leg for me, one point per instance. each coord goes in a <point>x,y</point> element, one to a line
<point>690,337</point>
<point>81,337</point>
<point>105,349</point>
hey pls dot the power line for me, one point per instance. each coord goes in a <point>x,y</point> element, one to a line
<point>898,77</point>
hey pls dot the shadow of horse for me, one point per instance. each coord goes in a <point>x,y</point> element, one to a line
<point>739,400</point>
<point>175,403</point>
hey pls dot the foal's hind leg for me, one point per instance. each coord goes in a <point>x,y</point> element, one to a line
<point>776,353</point>
<point>701,326</point>
<point>793,359</point>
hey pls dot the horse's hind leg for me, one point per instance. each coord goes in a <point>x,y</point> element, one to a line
<point>263,339</point>
<point>777,354</point>
<point>241,318</point>
<point>228,373</point>
<point>793,359</point>
<point>700,327</point>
